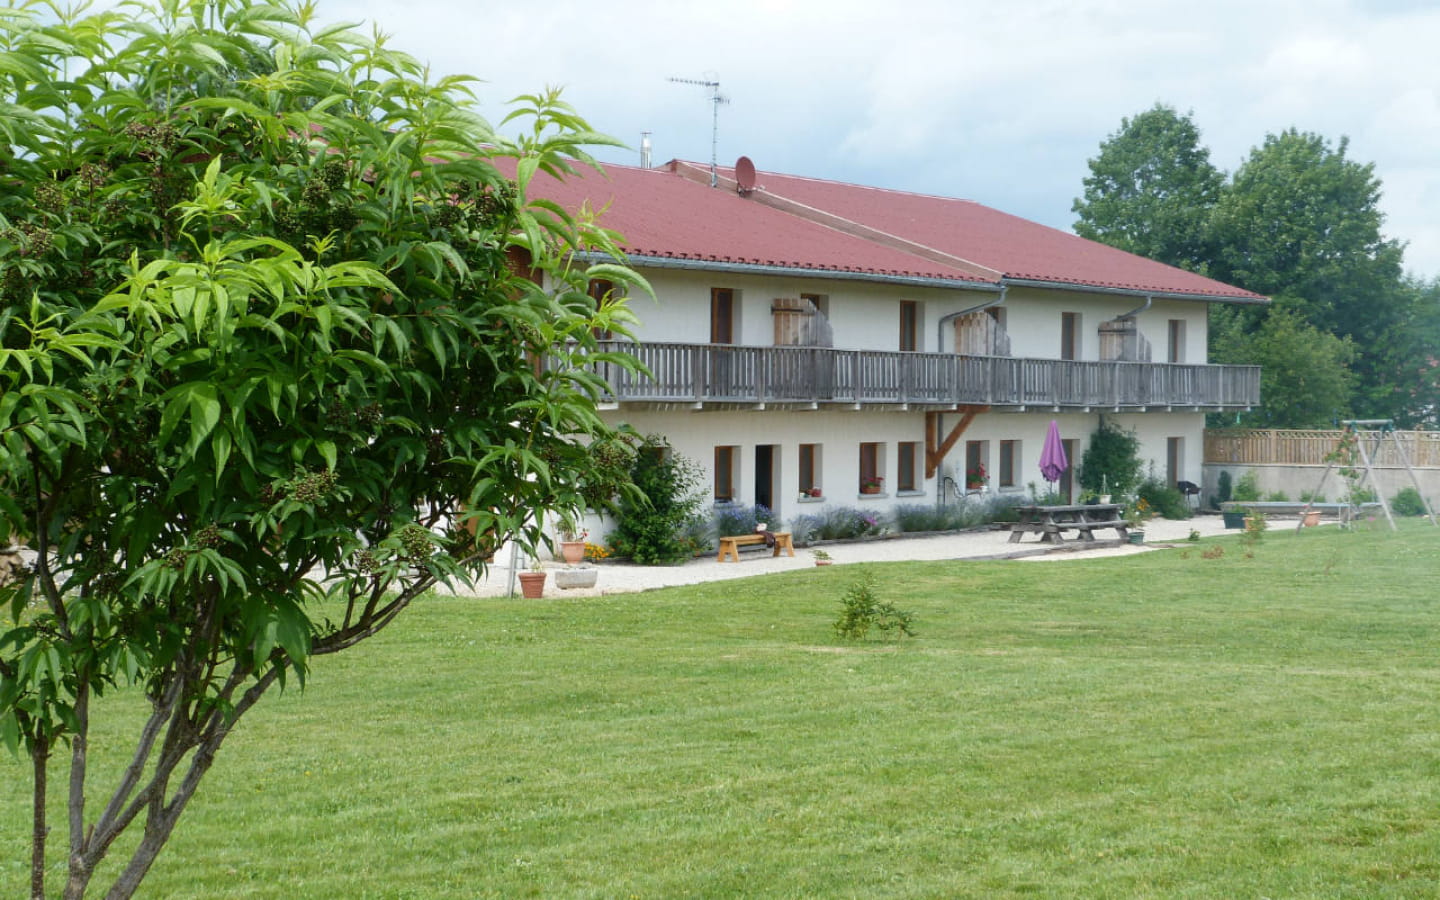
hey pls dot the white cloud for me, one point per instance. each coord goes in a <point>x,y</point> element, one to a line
<point>1002,102</point>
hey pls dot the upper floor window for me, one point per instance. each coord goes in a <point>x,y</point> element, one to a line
<point>1069,335</point>
<point>1176,342</point>
<point>909,325</point>
<point>602,292</point>
<point>722,316</point>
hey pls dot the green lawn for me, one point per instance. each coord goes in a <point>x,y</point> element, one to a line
<point>1160,725</point>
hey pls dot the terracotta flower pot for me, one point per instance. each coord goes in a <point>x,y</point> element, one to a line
<point>532,585</point>
<point>1312,518</point>
<point>572,551</point>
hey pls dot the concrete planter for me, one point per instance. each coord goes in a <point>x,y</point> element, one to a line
<point>576,577</point>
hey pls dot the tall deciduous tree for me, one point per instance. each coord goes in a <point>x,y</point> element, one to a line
<point>280,350</point>
<point>1151,190</point>
<point>1305,377</point>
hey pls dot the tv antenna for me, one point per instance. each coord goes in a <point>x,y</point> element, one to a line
<point>716,98</point>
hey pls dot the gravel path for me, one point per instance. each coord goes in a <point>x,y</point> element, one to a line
<point>623,578</point>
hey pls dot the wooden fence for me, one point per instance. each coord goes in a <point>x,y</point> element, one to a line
<point>1281,447</point>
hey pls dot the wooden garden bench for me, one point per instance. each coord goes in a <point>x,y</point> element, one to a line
<point>730,546</point>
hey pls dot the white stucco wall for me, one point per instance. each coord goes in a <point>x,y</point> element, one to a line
<point>866,315</point>
<point>839,432</point>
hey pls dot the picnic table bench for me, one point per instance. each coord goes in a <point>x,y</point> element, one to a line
<point>1052,523</point>
<point>730,546</point>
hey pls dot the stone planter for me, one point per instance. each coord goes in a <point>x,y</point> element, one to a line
<point>576,577</point>
<point>532,585</point>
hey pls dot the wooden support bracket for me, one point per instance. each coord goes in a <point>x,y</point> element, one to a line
<point>935,449</point>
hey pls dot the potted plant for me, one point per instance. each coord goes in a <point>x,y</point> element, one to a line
<point>871,484</point>
<point>821,557</point>
<point>975,478</point>
<point>532,583</point>
<point>1136,515</point>
<point>572,540</point>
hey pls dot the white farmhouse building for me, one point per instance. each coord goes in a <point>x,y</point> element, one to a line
<point>817,342</point>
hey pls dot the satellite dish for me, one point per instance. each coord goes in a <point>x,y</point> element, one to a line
<point>745,174</point>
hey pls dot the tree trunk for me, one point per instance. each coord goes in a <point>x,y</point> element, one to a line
<point>37,837</point>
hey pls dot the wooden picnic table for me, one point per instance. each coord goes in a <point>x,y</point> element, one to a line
<point>1052,523</point>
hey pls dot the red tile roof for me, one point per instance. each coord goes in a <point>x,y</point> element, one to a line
<point>663,216</point>
<point>810,224</point>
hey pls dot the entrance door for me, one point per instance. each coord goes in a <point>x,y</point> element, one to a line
<point>765,475</point>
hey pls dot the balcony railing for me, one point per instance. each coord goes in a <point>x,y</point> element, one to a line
<point>718,373</point>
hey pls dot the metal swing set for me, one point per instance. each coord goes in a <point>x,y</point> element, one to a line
<point>1367,437</point>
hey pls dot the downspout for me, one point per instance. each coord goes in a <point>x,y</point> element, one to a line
<point>940,326</point>
<point>1149,299</point>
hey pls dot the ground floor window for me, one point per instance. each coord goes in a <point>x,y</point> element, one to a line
<point>905,479</point>
<point>1009,463</point>
<point>810,469</point>
<point>977,464</point>
<point>872,467</point>
<point>726,458</point>
<point>1174,460</point>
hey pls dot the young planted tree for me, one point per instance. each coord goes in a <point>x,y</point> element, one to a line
<point>280,350</point>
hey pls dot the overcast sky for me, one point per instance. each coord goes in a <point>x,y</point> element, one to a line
<point>1001,102</point>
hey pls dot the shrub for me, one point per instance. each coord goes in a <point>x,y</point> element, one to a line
<point>1247,489</point>
<point>861,610</point>
<point>1222,490</point>
<point>1163,500</point>
<point>1408,503</point>
<point>660,526</point>
<point>1312,497</point>
<point>835,524</point>
<point>1111,463</point>
<point>927,517</point>
<point>733,520</point>
<point>1278,497</point>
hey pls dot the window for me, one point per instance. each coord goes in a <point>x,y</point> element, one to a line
<point>872,468</point>
<point>725,460</point>
<point>722,316</point>
<point>1009,462</point>
<point>909,325</point>
<point>905,479</point>
<point>810,469</point>
<point>1069,335</point>
<point>1176,341</point>
<point>602,292</point>
<point>977,468</point>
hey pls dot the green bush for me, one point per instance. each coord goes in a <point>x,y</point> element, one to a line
<point>1408,503</point>
<point>1277,497</point>
<point>1164,500</point>
<point>913,517</point>
<point>659,527</point>
<point>1111,463</point>
<point>861,610</point>
<point>1247,489</point>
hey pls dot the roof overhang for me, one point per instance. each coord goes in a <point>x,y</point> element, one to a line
<point>1131,292</point>
<point>740,268</point>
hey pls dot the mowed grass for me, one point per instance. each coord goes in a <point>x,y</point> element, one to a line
<point>1159,725</point>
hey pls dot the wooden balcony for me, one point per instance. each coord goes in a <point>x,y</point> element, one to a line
<point>718,374</point>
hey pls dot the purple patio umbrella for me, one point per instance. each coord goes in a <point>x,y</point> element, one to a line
<point>1052,458</point>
